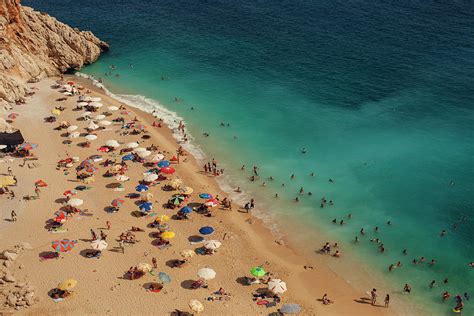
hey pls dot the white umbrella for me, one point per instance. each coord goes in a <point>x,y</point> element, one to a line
<point>99,244</point>
<point>96,99</point>
<point>212,244</point>
<point>196,306</point>
<point>277,286</point>
<point>96,104</point>
<point>206,273</point>
<point>91,137</point>
<point>143,154</point>
<point>105,122</point>
<point>82,103</point>
<point>99,117</point>
<point>150,177</point>
<point>92,126</point>
<point>3,146</point>
<point>122,178</point>
<point>72,128</point>
<point>84,98</point>
<point>139,149</point>
<point>112,108</point>
<point>188,253</point>
<point>75,202</point>
<point>69,94</point>
<point>74,135</point>
<point>87,113</point>
<point>112,143</point>
<point>132,145</point>
<point>157,157</point>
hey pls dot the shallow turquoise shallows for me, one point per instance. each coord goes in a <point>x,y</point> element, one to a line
<point>379,93</point>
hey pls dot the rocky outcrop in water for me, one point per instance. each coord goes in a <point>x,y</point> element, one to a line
<point>34,45</point>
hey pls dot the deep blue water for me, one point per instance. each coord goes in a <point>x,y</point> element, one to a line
<point>381,93</point>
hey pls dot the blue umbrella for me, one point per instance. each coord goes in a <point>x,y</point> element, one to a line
<point>206,230</point>
<point>127,157</point>
<point>205,196</point>
<point>164,277</point>
<point>163,163</point>
<point>141,188</point>
<point>146,206</point>
<point>186,210</point>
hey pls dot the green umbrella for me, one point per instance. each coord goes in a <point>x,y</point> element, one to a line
<point>177,200</point>
<point>257,271</point>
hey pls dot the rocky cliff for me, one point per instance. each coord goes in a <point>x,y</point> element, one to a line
<point>34,45</point>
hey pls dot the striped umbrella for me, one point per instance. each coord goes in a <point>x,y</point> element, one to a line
<point>177,200</point>
<point>86,163</point>
<point>117,202</point>
<point>63,245</point>
<point>27,146</point>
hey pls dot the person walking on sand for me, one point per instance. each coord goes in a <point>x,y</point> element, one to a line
<point>373,296</point>
<point>122,246</point>
<point>93,234</point>
<point>108,224</point>
<point>10,171</point>
<point>154,262</point>
<point>103,236</point>
<point>37,192</point>
<point>13,215</point>
<point>387,300</point>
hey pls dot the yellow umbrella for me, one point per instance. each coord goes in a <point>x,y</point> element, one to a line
<point>67,285</point>
<point>167,235</point>
<point>6,181</point>
<point>188,253</point>
<point>186,190</point>
<point>176,183</point>
<point>145,267</point>
<point>162,218</point>
<point>196,306</point>
<point>56,112</point>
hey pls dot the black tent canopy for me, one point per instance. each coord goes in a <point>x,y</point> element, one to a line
<point>11,139</point>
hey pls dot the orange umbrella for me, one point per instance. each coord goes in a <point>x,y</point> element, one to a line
<point>41,183</point>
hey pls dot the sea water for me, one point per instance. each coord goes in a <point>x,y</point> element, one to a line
<point>379,93</point>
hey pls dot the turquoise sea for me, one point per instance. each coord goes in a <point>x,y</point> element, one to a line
<point>379,93</point>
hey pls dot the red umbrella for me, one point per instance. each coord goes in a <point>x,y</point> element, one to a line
<point>12,116</point>
<point>104,149</point>
<point>41,183</point>
<point>168,170</point>
<point>69,193</point>
<point>117,202</point>
<point>212,202</point>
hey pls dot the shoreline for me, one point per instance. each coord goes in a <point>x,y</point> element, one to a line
<point>271,228</point>
<point>255,243</point>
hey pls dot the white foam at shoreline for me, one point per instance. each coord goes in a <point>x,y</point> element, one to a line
<point>172,119</point>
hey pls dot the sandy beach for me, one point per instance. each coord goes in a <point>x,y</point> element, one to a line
<point>102,287</point>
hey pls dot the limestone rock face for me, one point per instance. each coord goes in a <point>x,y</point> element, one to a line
<point>36,45</point>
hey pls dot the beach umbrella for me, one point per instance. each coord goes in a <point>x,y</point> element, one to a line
<point>164,278</point>
<point>84,98</point>
<point>177,200</point>
<point>186,210</point>
<point>122,178</point>
<point>290,309</point>
<point>87,113</point>
<point>3,146</point>
<point>143,154</point>
<point>86,163</point>
<point>212,244</point>
<point>162,219</point>
<point>127,157</point>
<point>187,253</point>
<point>6,181</point>
<point>72,128</point>
<point>205,196</point>
<point>145,267</point>
<point>63,245</point>
<point>277,286</point>
<point>258,271</point>
<point>141,188</point>
<point>196,306</point>
<point>167,235</point>
<point>206,273</point>
<point>27,146</point>
<point>91,169</point>
<point>99,244</point>
<point>146,206</point>
<point>74,135</point>
<point>82,103</point>
<point>211,203</point>
<point>96,104</point>
<point>69,193</point>
<point>12,116</point>
<point>112,108</point>
<point>139,149</point>
<point>150,177</point>
<point>92,126</point>
<point>99,117</point>
<point>95,99</point>
<point>132,145</point>
<point>163,163</point>
<point>112,143</point>
<point>41,183</point>
<point>139,126</point>
<point>117,202</point>
<point>157,157</point>
<point>61,214</point>
<point>167,170</point>
<point>56,112</point>
<point>105,123</point>
<point>186,190</point>
<point>75,202</point>
<point>206,230</point>
<point>91,137</point>
<point>67,285</point>
<point>176,183</point>
<point>104,149</point>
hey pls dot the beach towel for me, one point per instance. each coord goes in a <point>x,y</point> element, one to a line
<point>57,300</point>
<point>58,230</point>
